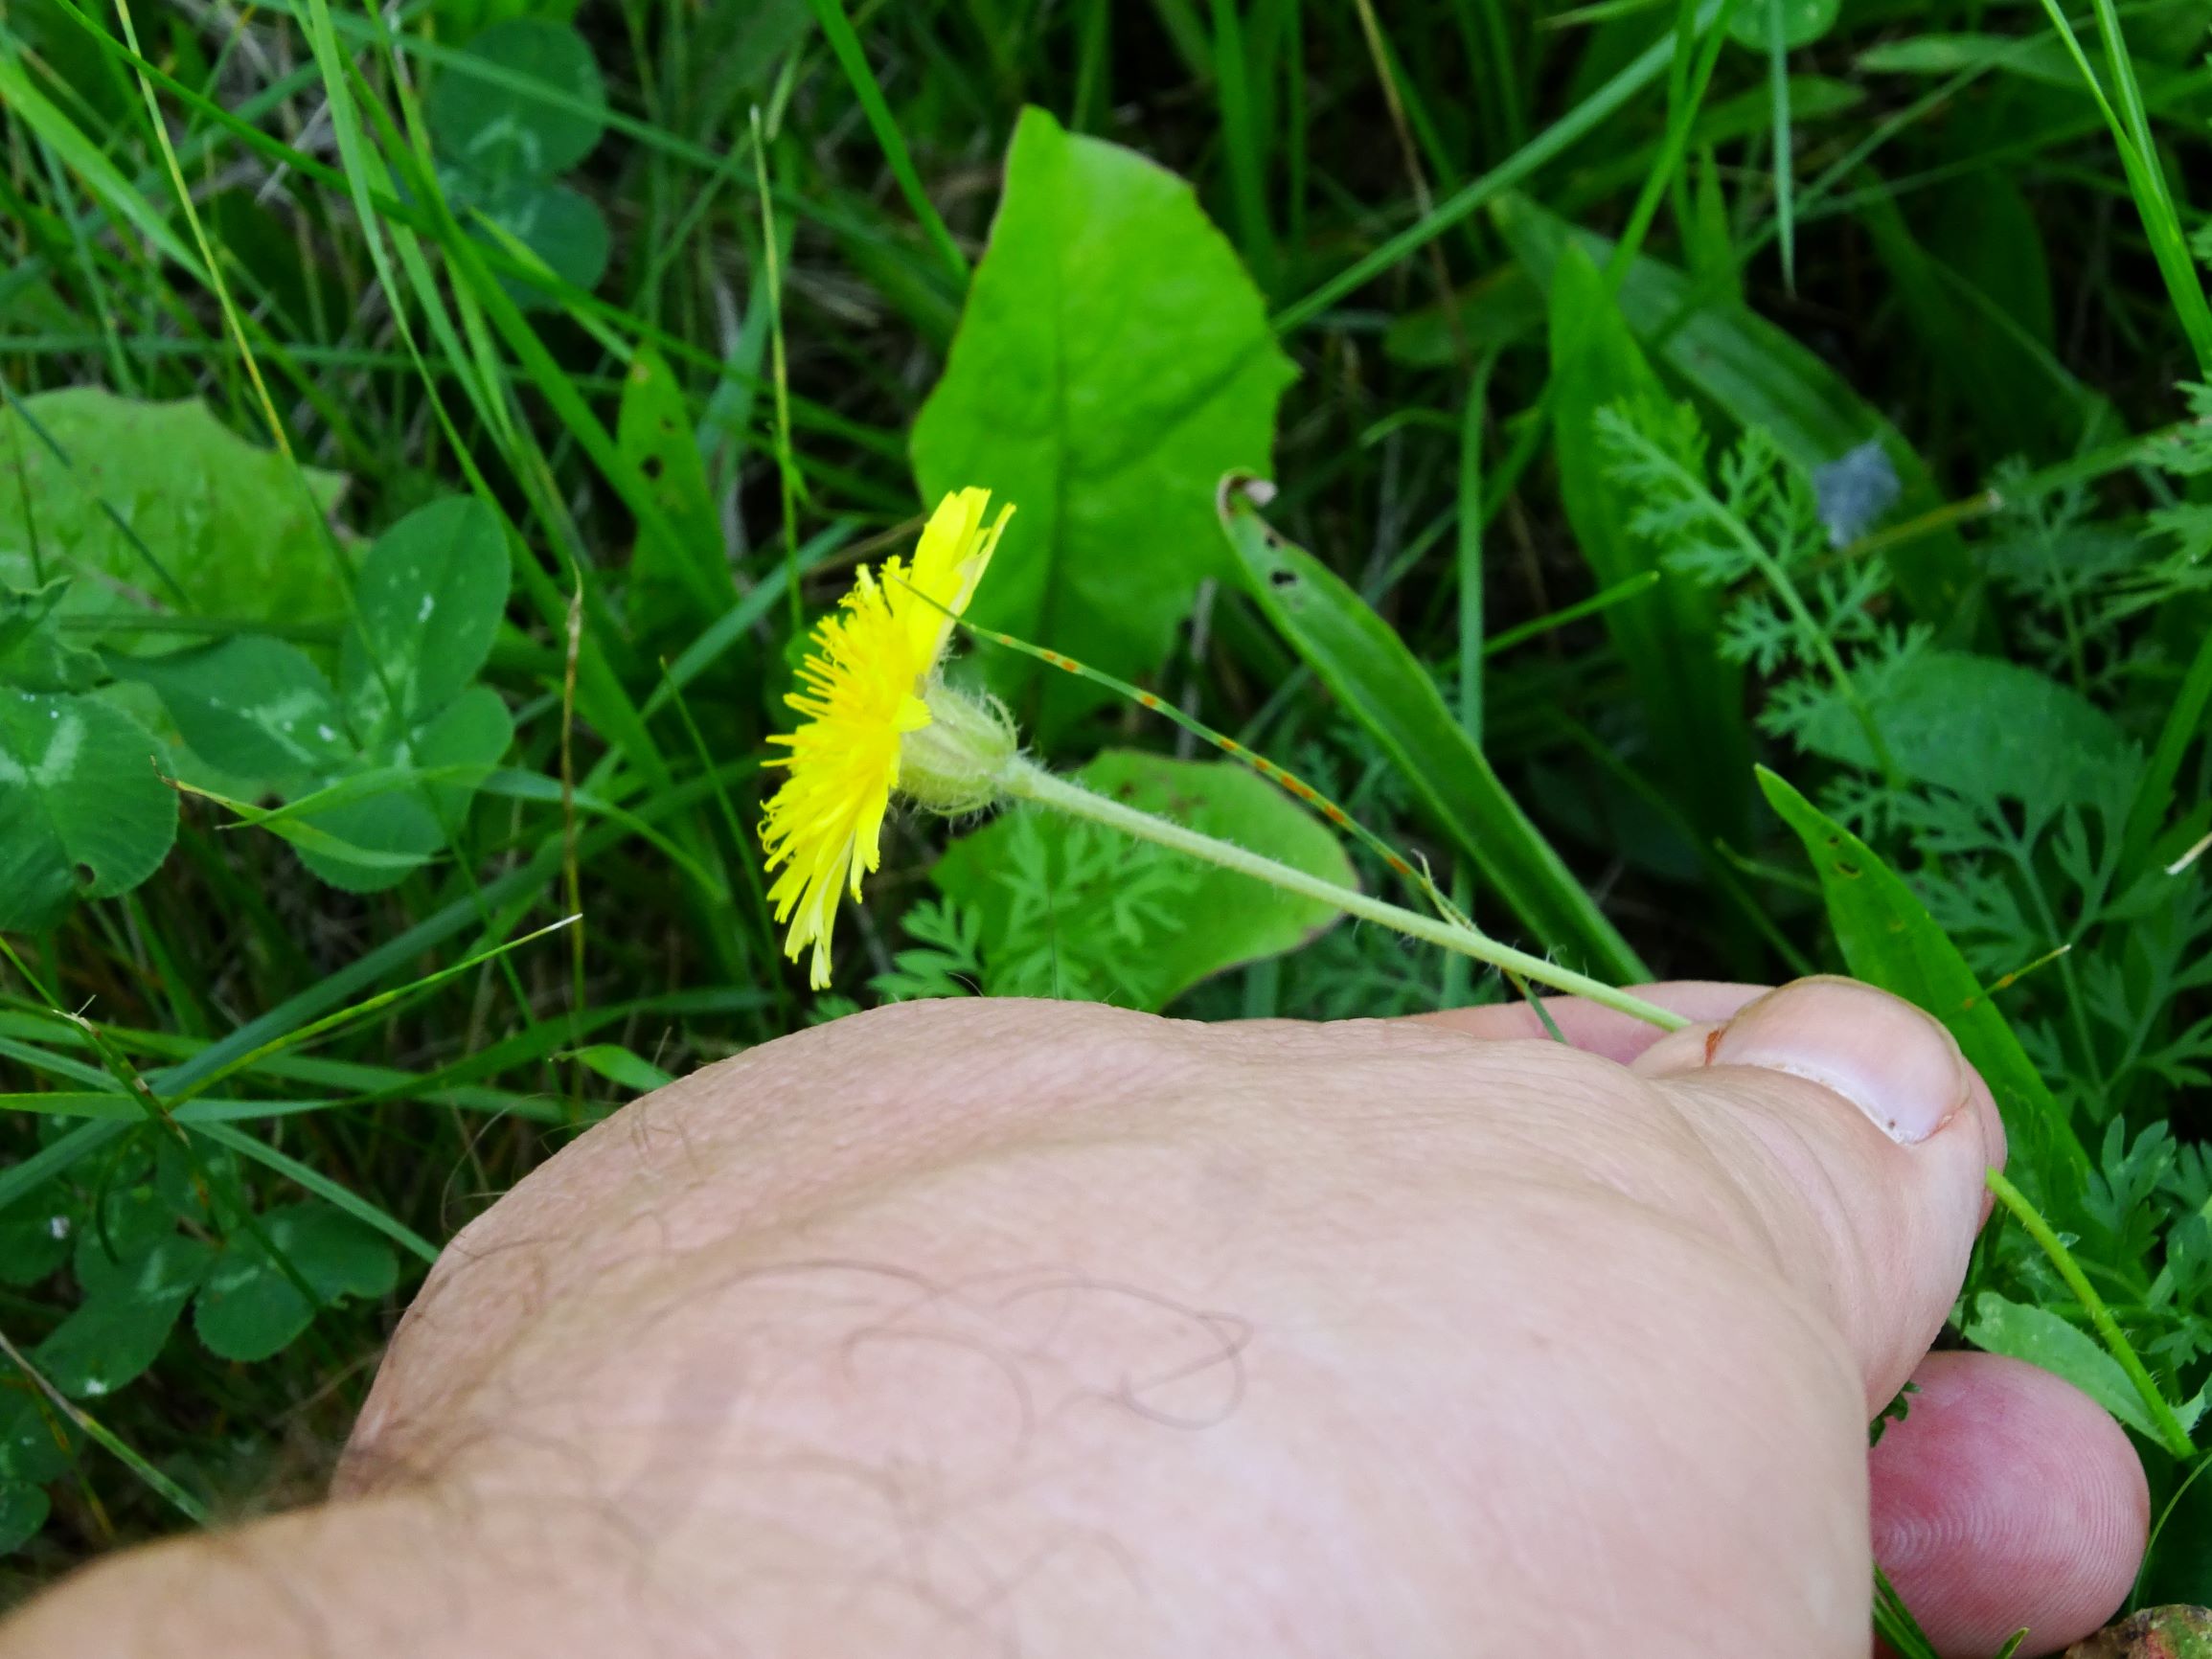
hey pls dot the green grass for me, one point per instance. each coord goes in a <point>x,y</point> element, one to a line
<point>1956,228</point>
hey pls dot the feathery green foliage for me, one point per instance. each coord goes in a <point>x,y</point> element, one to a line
<point>428,431</point>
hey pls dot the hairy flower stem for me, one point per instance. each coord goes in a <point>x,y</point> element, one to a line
<point>1028,782</point>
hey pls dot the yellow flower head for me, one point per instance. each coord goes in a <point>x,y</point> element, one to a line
<point>869,684</point>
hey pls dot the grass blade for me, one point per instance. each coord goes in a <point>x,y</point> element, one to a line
<point>1380,684</point>
<point>1577,123</point>
<point>1888,940</point>
<point>837,29</point>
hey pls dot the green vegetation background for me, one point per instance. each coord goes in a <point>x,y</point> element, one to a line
<point>425,444</point>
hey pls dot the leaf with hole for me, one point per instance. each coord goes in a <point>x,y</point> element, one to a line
<point>84,812</point>
<point>680,582</point>
<point>1112,362</point>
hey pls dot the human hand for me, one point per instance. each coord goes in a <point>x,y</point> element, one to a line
<point>1006,1326</point>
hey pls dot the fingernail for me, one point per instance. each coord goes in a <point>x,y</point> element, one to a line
<point>1885,1056</point>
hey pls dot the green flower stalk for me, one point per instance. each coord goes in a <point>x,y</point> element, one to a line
<point>880,721</point>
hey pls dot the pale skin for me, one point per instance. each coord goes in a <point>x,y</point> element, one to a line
<point>1004,1328</point>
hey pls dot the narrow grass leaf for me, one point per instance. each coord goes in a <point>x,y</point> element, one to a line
<point>1363,662</point>
<point>1888,940</point>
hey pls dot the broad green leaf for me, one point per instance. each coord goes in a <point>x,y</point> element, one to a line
<point>1888,940</point>
<point>248,1308</point>
<point>460,19</point>
<point>1988,231</point>
<point>430,595</point>
<point>2042,1338</point>
<point>1222,918</point>
<point>82,811</point>
<point>34,656</point>
<point>362,1210</point>
<point>34,1439</point>
<point>1692,702</point>
<point>1802,21</point>
<point>1986,729</point>
<point>1709,239</point>
<point>336,1255</point>
<point>120,1329</point>
<point>202,1184</point>
<point>1944,54</point>
<point>453,753</point>
<point>1759,376</point>
<point>134,1219</point>
<point>562,227</point>
<point>457,749</point>
<point>23,1509</point>
<point>236,526</point>
<point>620,1065</point>
<point>251,706</point>
<point>1112,362</point>
<point>494,129</point>
<point>295,823</point>
<point>681,582</point>
<point>34,1235</point>
<point>1363,662</point>
<point>374,778</point>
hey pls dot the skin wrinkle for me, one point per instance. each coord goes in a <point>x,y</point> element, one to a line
<point>1060,1332</point>
<point>1774,1233</point>
<point>494,1304</point>
<point>1787,1143</point>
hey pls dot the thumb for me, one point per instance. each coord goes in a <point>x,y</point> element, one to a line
<point>1857,1136</point>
